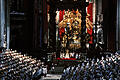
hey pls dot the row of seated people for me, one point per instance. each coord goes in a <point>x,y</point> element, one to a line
<point>15,66</point>
<point>106,68</point>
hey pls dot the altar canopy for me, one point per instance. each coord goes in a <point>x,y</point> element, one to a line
<point>69,27</point>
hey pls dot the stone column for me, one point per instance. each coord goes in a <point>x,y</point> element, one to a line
<point>83,24</point>
<point>118,26</point>
<point>8,23</point>
<point>52,28</point>
<point>35,29</point>
<point>2,22</point>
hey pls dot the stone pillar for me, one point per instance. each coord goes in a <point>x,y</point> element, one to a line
<point>118,26</point>
<point>2,22</point>
<point>94,11</point>
<point>45,23</point>
<point>109,24</point>
<point>96,23</point>
<point>35,29</point>
<point>40,22</point>
<point>83,24</point>
<point>8,23</point>
<point>38,28</point>
<point>52,28</point>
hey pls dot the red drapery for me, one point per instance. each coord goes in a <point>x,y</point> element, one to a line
<point>61,31</point>
<point>66,58</point>
<point>90,11</point>
<point>89,31</point>
<point>61,14</point>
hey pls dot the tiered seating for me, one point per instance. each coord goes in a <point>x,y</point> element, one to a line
<point>15,66</point>
<point>105,69</point>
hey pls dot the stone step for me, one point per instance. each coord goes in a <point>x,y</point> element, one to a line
<point>51,77</point>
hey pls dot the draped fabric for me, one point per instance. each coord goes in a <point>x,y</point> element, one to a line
<point>90,31</point>
<point>61,32</point>
<point>61,14</point>
<point>90,11</point>
<point>66,58</point>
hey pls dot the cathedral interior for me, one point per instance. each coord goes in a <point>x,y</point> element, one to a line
<point>59,40</point>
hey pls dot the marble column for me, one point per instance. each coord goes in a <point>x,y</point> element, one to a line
<point>83,24</point>
<point>2,22</point>
<point>8,23</point>
<point>52,28</point>
<point>118,26</point>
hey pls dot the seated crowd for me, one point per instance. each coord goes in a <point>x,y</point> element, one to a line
<point>15,66</point>
<point>106,68</point>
